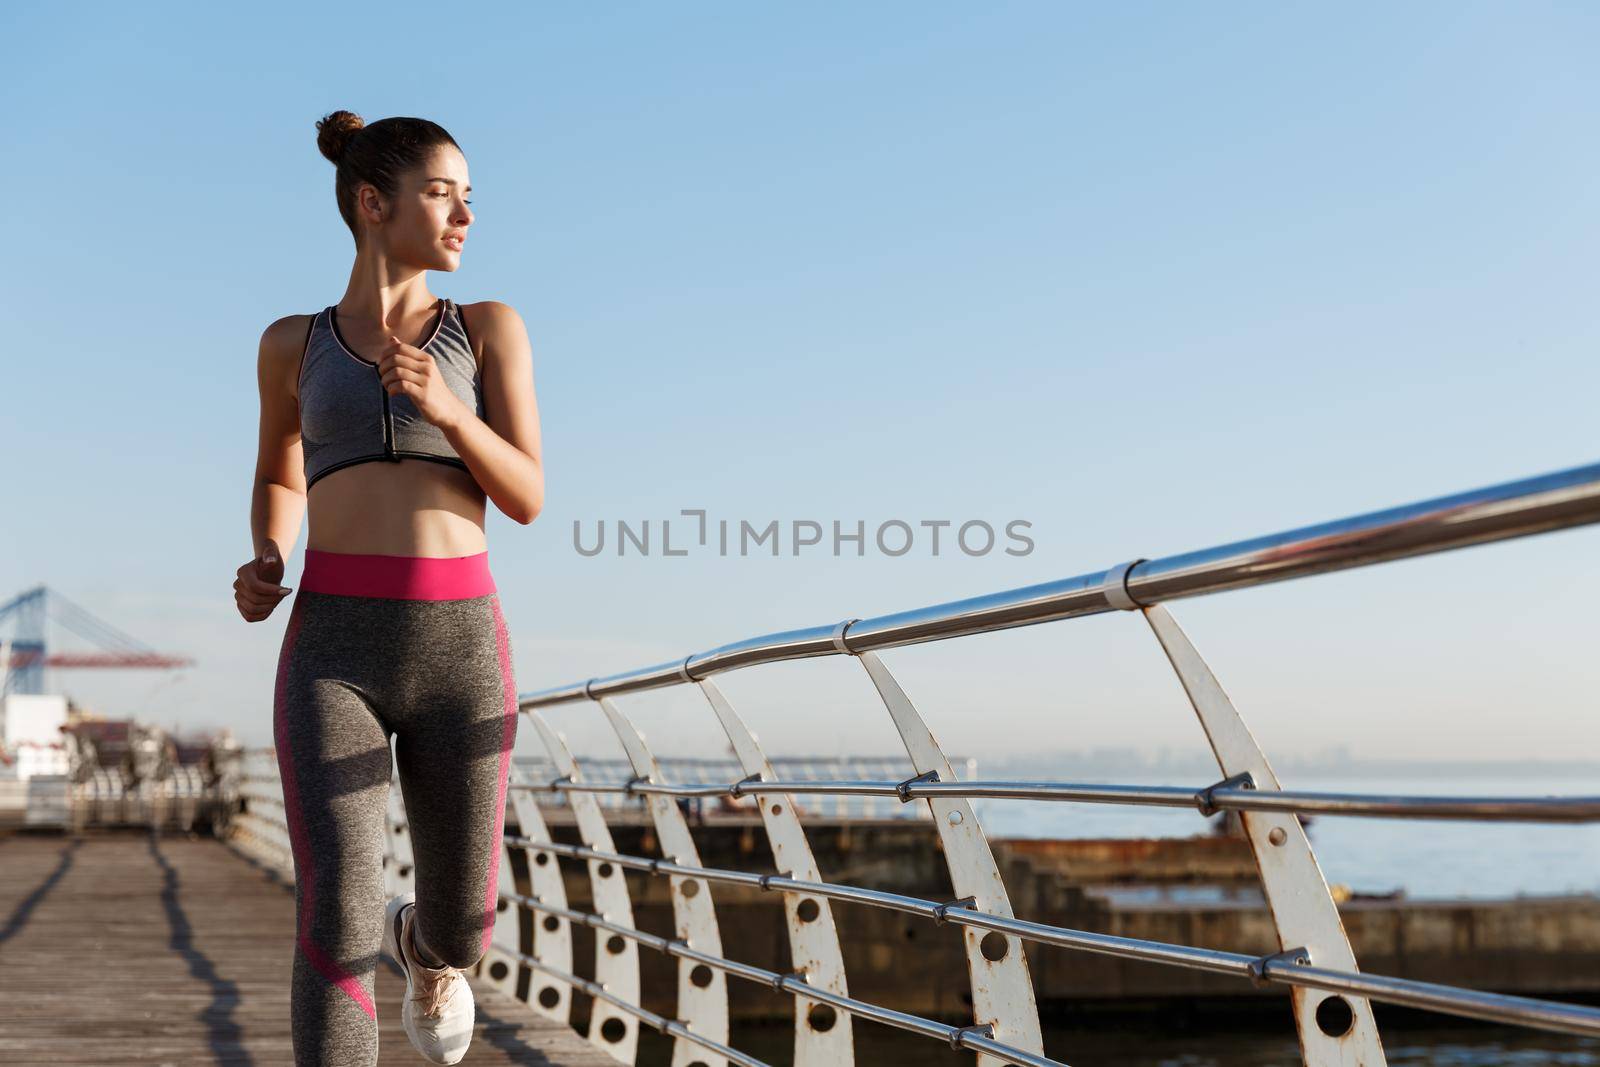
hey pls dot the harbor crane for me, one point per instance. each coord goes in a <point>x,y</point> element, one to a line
<point>23,670</point>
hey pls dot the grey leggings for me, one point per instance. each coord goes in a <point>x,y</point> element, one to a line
<point>376,647</point>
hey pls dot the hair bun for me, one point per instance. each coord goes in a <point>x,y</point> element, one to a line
<point>334,132</point>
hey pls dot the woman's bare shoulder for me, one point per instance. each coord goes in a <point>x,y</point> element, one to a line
<point>282,344</point>
<point>286,337</point>
<point>493,326</point>
<point>491,313</point>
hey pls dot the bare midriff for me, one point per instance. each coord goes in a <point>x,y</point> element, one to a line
<point>411,508</point>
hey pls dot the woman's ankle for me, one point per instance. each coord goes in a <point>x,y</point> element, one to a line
<point>423,956</point>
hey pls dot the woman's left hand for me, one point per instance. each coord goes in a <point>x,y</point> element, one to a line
<point>407,369</point>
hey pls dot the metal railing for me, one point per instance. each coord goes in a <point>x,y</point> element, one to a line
<point>1330,998</point>
<point>708,778</point>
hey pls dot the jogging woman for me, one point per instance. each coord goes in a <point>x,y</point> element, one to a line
<point>390,417</point>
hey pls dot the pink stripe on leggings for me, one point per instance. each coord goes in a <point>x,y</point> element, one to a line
<point>397,577</point>
<point>491,900</point>
<point>304,864</point>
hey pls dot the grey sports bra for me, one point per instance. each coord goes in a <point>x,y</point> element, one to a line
<point>348,417</point>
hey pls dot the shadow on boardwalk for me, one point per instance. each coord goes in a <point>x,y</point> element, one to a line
<point>129,947</point>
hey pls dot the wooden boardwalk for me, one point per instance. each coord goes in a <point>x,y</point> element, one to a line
<point>121,947</point>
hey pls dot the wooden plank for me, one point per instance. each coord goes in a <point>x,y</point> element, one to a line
<point>121,947</point>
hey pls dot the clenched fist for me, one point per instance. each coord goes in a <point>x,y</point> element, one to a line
<point>256,590</point>
<point>407,369</point>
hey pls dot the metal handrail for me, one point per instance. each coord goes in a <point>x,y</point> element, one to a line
<point>704,777</point>
<point>1294,887</point>
<point>1512,509</point>
<point>1207,800</point>
<point>955,1036</point>
<point>1449,1000</point>
<point>670,1027</point>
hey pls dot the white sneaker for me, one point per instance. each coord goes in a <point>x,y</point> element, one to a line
<point>439,1009</point>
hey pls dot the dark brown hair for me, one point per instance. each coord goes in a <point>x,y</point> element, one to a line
<point>377,154</point>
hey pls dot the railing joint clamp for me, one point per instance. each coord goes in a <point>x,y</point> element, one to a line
<point>1299,957</point>
<point>838,636</point>
<point>903,790</point>
<point>636,780</point>
<point>779,979</point>
<point>555,783</point>
<point>1114,586</point>
<point>964,902</point>
<point>960,1032</point>
<point>736,790</point>
<point>1205,800</point>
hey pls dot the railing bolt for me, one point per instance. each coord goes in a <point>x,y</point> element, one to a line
<point>1299,957</point>
<point>959,1033</point>
<point>1205,799</point>
<point>903,789</point>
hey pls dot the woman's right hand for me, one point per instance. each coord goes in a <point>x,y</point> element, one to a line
<point>256,590</point>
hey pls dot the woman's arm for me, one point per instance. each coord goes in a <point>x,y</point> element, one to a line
<point>278,492</point>
<point>503,450</point>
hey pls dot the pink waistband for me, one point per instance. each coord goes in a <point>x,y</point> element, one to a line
<point>397,577</point>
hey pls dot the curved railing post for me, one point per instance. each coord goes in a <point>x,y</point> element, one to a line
<point>552,935</point>
<point>499,964</point>
<point>1002,988</point>
<point>813,937</point>
<point>400,873</point>
<point>616,960</point>
<point>702,990</point>
<point>1334,1030</point>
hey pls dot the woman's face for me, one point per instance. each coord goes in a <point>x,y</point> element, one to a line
<point>426,222</point>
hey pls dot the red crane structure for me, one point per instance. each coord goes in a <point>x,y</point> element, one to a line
<point>29,656</point>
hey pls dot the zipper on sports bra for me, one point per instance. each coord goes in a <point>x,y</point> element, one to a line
<point>388,420</point>
<point>388,411</point>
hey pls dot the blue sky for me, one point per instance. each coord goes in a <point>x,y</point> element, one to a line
<point>1149,277</point>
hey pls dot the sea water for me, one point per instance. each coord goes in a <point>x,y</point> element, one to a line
<point>1426,858</point>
